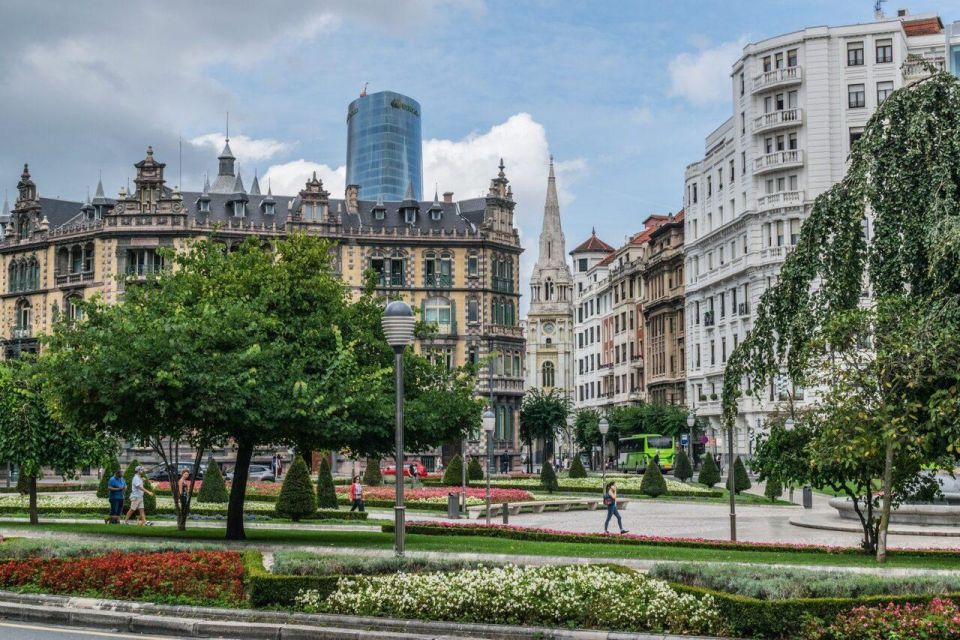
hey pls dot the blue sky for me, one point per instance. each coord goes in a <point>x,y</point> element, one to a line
<point>622,93</point>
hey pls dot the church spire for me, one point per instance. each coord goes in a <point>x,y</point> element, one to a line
<point>552,242</point>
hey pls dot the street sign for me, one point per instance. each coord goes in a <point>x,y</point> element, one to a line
<point>684,439</point>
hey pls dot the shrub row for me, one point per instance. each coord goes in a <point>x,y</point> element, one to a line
<point>265,589</point>
<point>59,488</point>
<point>623,493</point>
<point>323,514</point>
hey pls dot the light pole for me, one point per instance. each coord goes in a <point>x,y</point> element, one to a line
<point>489,422</point>
<point>731,486</point>
<point>604,427</point>
<point>691,421</point>
<point>570,422</point>
<point>398,328</point>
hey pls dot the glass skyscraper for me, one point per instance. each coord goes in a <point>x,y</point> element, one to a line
<point>384,146</point>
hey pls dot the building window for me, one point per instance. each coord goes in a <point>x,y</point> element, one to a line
<point>473,311</point>
<point>204,206</point>
<point>439,312</point>
<point>855,134</point>
<point>854,54</point>
<point>410,216</point>
<point>269,208</point>
<point>743,84</point>
<point>791,58</point>
<point>239,209</point>
<point>548,375</point>
<point>856,96</point>
<point>582,265</point>
<point>378,214</point>
<point>884,89</point>
<point>472,266</point>
<point>141,262</point>
<point>884,51</point>
<point>437,270</point>
<point>73,308</point>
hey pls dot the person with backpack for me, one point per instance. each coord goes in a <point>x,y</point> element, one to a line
<point>610,502</point>
<point>356,495</point>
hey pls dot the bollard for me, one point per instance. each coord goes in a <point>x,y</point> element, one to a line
<point>506,513</point>
<point>807,498</point>
<point>453,506</point>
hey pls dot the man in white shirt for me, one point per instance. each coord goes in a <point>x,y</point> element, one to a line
<point>137,489</point>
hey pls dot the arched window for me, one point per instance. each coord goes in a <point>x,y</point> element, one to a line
<point>437,269</point>
<point>76,258</point>
<point>508,318</point>
<point>23,322</point>
<point>548,290</point>
<point>438,312</point>
<point>23,227</point>
<point>73,308</point>
<point>33,281</point>
<point>548,373</point>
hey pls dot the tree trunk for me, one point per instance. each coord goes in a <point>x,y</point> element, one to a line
<point>885,505</point>
<point>183,511</point>
<point>34,515</point>
<point>238,491</point>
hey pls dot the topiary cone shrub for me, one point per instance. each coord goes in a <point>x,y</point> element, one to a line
<point>213,489</point>
<point>653,484</point>
<point>577,469</point>
<point>773,490</point>
<point>111,467</point>
<point>682,469</point>
<point>548,477</point>
<point>326,492</point>
<point>297,498</point>
<point>740,477</point>
<point>474,469</point>
<point>371,474</point>
<point>453,474</point>
<point>709,473</point>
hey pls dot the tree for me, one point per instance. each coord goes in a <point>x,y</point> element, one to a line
<point>659,418</point>
<point>773,490</point>
<point>903,171</point>
<point>542,415</point>
<point>682,469</point>
<point>214,488</point>
<point>32,436</point>
<point>548,477</point>
<point>326,492</point>
<point>297,498</point>
<point>371,473</point>
<point>586,431</point>
<point>111,467</point>
<point>576,469</point>
<point>149,501</point>
<point>453,474</point>
<point>741,481</point>
<point>709,473</point>
<point>474,469</point>
<point>653,483</point>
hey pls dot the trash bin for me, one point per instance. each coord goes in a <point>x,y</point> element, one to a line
<point>807,498</point>
<point>453,506</point>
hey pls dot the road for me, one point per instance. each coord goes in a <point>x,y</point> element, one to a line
<point>25,631</point>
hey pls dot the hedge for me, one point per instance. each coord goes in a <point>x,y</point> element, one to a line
<point>265,589</point>
<point>343,500</point>
<point>623,493</point>
<point>59,488</point>
<point>321,514</point>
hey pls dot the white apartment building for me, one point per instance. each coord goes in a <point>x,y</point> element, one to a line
<point>799,101</point>
<point>591,301</point>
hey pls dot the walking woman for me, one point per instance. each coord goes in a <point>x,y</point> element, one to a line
<point>183,488</point>
<point>610,501</point>
<point>356,494</point>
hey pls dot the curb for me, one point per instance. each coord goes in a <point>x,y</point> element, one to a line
<point>207,622</point>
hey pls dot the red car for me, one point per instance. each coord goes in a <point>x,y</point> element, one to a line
<point>421,470</point>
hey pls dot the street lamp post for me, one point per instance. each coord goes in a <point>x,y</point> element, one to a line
<point>604,427</point>
<point>691,421</point>
<point>570,422</point>
<point>731,486</point>
<point>489,422</point>
<point>398,329</point>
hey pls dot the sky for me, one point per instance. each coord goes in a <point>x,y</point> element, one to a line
<point>621,93</point>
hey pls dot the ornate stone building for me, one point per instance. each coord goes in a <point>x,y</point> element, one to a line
<point>457,262</point>
<point>550,318</point>
<point>664,313</point>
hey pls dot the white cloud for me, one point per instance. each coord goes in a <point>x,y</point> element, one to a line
<point>289,178</point>
<point>246,149</point>
<point>704,77</point>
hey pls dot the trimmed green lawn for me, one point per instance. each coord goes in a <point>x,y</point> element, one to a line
<point>477,544</point>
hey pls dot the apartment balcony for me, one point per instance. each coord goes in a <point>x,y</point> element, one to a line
<point>503,285</point>
<point>777,78</point>
<point>505,330</point>
<point>782,200</point>
<point>778,120</point>
<point>438,280</point>
<point>774,254</point>
<point>73,278</point>
<point>915,67</point>
<point>19,333</point>
<point>390,280</point>
<point>777,161</point>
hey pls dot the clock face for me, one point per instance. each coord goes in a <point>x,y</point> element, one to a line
<point>548,327</point>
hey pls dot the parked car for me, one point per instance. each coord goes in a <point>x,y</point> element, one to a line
<point>159,474</point>
<point>421,470</point>
<point>257,473</point>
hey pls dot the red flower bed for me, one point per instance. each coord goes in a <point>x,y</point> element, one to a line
<point>936,620</point>
<point>200,576</point>
<point>271,489</point>
<point>440,493</point>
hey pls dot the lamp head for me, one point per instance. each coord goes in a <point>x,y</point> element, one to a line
<point>604,426</point>
<point>398,324</point>
<point>489,421</point>
<point>691,420</point>
<point>789,424</point>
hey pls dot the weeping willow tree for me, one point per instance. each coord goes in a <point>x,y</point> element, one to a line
<point>904,174</point>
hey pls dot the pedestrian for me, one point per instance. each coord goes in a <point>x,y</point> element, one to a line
<point>356,495</point>
<point>610,502</point>
<point>414,474</point>
<point>137,489</point>
<point>273,466</point>
<point>279,465</point>
<point>183,487</point>
<point>116,486</point>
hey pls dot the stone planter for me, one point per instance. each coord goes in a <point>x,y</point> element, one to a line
<point>947,513</point>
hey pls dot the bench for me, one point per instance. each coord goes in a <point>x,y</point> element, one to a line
<point>539,506</point>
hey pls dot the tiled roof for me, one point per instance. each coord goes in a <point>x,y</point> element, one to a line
<point>593,244</point>
<point>607,260</point>
<point>923,27</point>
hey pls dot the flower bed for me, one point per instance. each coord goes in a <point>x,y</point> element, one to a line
<point>438,495</point>
<point>255,490</point>
<point>599,597</point>
<point>626,485</point>
<point>936,620</point>
<point>201,577</point>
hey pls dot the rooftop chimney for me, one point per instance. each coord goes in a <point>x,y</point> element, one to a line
<point>448,196</point>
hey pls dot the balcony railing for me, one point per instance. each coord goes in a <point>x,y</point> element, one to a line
<point>19,333</point>
<point>71,278</point>
<point>438,280</point>
<point>918,67</point>
<point>390,280</point>
<point>778,160</point>
<point>780,200</point>
<point>778,120</point>
<point>503,285</point>
<point>505,330</point>
<point>777,78</point>
<point>708,319</point>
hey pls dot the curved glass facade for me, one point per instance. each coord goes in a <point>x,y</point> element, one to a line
<point>384,146</point>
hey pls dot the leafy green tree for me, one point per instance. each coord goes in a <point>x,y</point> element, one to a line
<point>326,491</point>
<point>709,473</point>
<point>548,477</point>
<point>213,489</point>
<point>682,470</point>
<point>23,484</point>
<point>32,436</point>
<point>586,431</point>
<point>453,474</point>
<point>111,467</point>
<point>659,418</point>
<point>653,483</point>
<point>149,501</point>
<point>773,490</point>
<point>297,498</point>
<point>902,170</point>
<point>474,469</point>
<point>542,415</point>
<point>371,473</point>
<point>740,478</point>
<point>576,469</point>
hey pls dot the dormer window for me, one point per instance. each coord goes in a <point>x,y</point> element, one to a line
<point>239,209</point>
<point>269,208</point>
<point>435,214</point>
<point>204,206</point>
<point>410,216</point>
<point>378,214</point>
